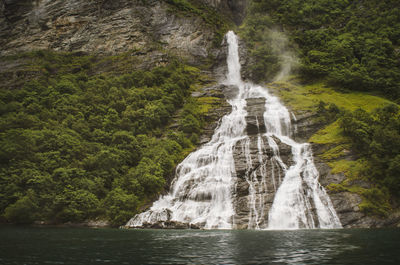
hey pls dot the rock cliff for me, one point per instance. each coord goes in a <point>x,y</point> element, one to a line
<point>101,26</point>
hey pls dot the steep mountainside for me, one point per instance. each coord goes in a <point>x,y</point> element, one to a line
<point>101,99</point>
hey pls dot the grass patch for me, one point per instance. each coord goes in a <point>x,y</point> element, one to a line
<point>208,103</point>
<point>336,152</point>
<point>331,134</point>
<point>307,97</point>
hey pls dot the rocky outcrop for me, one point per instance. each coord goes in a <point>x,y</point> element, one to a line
<point>255,117</point>
<point>102,26</point>
<point>165,225</point>
<point>258,176</point>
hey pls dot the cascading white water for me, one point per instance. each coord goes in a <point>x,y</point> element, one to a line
<point>202,190</point>
<point>201,193</point>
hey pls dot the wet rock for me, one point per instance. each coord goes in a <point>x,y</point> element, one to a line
<point>255,108</point>
<point>306,126</point>
<point>230,91</point>
<point>165,225</point>
<point>213,119</point>
<point>258,176</point>
<point>346,206</point>
<point>285,151</point>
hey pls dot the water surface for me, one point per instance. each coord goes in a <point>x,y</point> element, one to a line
<point>51,245</point>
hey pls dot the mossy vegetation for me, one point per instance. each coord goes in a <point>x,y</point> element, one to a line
<point>336,152</point>
<point>378,205</point>
<point>303,97</point>
<point>331,135</point>
<point>375,201</point>
<point>207,103</point>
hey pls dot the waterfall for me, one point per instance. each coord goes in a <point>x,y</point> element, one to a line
<point>203,191</point>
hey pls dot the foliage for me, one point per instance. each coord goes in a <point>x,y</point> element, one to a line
<point>352,44</point>
<point>76,145</point>
<point>376,136</point>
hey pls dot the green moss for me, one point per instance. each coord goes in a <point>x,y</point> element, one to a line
<point>376,202</point>
<point>334,187</point>
<point>351,169</point>
<point>336,152</point>
<point>331,134</point>
<point>207,103</point>
<point>307,97</point>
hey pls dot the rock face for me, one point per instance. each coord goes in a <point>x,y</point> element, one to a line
<point>252,188</point>
<point>101,26</point>
<point>105,26</point>
<point>216,112</point>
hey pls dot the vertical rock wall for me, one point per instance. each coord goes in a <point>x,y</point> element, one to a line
<point>102,27</point>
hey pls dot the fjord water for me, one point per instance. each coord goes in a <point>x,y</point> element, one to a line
<point>203,190</point>
<point>46,245</point>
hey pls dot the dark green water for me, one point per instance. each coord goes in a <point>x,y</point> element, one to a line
<point>46,245</point>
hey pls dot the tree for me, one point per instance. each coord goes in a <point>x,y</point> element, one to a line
<point>24,210</point>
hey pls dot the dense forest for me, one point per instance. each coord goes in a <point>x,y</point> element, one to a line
<point>77,146</point>
<point>351,44</point>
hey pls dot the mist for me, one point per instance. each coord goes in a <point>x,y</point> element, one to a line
<point>287,59</point>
